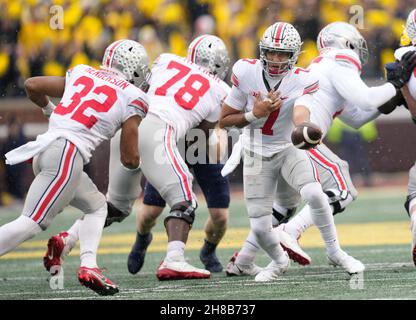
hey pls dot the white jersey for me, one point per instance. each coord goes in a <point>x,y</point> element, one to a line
<point>273,133</point>
<point>398,54</point>
<point>183,94</point>
<point>342,92</point>
<point>94,106</point>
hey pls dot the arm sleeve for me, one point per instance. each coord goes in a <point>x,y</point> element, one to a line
<point>351,87</point>
<point>306,100</point>
<point>356,117</point>
<point>236,99</point>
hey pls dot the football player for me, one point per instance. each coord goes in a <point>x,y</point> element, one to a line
<point>217,194</point>
<point>184,93</point>
<point>94,104</point>
<point>342,51</point>
<point>409,93</point>
<point>262,99</point>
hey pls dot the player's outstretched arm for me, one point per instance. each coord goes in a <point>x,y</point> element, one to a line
<point>38,89</point>
<point>129,143</point>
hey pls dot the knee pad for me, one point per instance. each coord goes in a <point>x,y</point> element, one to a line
<point>281,217</point>
<point>313,195</point>
<point>184,211</point>
<point>260,226</point>
<point>339,200</point>
<point>409,198</point>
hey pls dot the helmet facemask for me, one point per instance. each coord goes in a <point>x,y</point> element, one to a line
<point>280,66</point>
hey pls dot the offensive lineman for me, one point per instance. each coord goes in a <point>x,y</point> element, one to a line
<point>183,94</point>
<point>95,103</point>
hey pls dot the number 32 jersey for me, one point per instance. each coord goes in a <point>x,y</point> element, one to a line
<point>183,94</point>
<point>94,105</point>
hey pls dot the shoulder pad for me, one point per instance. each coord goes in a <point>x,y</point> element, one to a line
<point>347,58</point>
<point>240,69</point>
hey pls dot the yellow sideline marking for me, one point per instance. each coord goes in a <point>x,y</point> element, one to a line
<point>364,234</point>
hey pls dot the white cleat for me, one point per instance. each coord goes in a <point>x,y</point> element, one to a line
<point>272,271</point>
<point>291,246</point>
<point>235,269</point>
<point>178,269</point>
<point>350,264</point>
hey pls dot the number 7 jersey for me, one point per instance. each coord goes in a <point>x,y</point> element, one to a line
<point>269,135</point>
<point>183,94</point>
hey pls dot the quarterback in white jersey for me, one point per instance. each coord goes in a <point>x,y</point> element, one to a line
<point>338,69</point>
<point>271,163</point>
<point>184,93</point>
<point>409,93</point>
<point>94,104</point>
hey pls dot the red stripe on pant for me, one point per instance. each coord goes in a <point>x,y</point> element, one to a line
<point>52,193</point>
<point>182,174</point>
<point>329,165</point>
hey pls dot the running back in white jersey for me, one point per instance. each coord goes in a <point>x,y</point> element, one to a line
<point>183,94</point>
<point>94,106</point>
<point>398,54</point>
<point>273,133</point>
<point>328,68</point>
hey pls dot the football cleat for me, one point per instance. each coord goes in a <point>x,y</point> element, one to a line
<point>209,258</point>
<point>235,269</point>
<point>272,271</point>
<point>178,269</point>
<point>349,263</point>
<point>291,246</point>
<point>114,215</point>
<point>94,279</point>
<point>54,254</point>
<point>137,254</point>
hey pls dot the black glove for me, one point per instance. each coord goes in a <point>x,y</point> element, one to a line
<point>403,70</point>
<point>394,102</point>
<point>390,70</point>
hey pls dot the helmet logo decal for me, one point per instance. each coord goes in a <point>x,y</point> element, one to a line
<point>278,35</point>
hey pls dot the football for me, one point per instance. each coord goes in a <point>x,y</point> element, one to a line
<point>306,135</point>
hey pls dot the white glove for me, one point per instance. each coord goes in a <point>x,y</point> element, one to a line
<point>234,160</point>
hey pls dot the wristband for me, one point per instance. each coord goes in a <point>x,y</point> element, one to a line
<point>47,111</point>
<point>250,117</point>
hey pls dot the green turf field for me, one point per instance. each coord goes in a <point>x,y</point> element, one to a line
<point>374,229</point>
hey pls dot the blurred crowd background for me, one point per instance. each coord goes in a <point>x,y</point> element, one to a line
<point>29,47</point>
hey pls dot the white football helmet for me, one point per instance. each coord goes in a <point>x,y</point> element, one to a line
<point>210,52</point>
<point>343,35</point>
<point>129,59</point>
<point>280,37</point>
<point>411,26</point>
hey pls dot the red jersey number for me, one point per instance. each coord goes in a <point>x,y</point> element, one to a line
<point>188,88</point>
<point>88,85</point>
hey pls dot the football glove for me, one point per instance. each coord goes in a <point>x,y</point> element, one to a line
<point>403,70</point>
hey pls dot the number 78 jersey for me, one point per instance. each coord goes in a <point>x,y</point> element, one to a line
<point>183,94</point>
